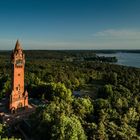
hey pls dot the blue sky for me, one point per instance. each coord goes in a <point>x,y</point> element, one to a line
<point>70,24</point>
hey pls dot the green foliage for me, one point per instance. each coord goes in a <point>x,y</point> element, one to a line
<point>82,107</point>
<point>68,128</point>
<point>111,112</point>
<point>101,132</point>
<point>62,92</point>
<point>106,91</point>
<point>101,104</point>
<point>1,130</point>
<point>5,85</point>
<point>54,122</point>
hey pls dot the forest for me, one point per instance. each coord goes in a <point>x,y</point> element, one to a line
<point>87,98</point>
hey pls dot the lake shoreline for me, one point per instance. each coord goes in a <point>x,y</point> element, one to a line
<point>125,59</point>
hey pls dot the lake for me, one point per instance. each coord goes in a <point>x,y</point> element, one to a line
<point>127,59</point>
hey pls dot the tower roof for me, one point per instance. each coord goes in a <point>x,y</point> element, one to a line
<point>17,46</point>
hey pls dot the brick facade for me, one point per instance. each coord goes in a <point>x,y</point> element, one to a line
<point>18,97</point>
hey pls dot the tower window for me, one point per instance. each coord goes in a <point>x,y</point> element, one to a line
<point>18,74</point>
<point>17,88</point>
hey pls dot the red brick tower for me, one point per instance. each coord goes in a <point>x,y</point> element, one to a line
<point>18,98</point>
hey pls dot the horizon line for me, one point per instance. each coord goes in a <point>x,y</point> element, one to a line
<point>75,49</point>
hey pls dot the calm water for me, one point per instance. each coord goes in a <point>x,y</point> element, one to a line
<point>127,59</point>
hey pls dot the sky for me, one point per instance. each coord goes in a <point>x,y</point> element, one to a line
<point>70,24</point>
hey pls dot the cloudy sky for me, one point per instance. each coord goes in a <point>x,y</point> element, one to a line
<point>70,24</point>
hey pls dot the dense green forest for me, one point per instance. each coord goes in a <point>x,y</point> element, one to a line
<point>106,107</point>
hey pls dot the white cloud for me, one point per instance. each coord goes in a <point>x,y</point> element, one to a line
<point>118,34</point>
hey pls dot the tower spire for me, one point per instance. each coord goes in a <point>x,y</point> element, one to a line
<point>17,46</point>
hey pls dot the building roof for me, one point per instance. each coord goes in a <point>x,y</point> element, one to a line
<point>17,46</point>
